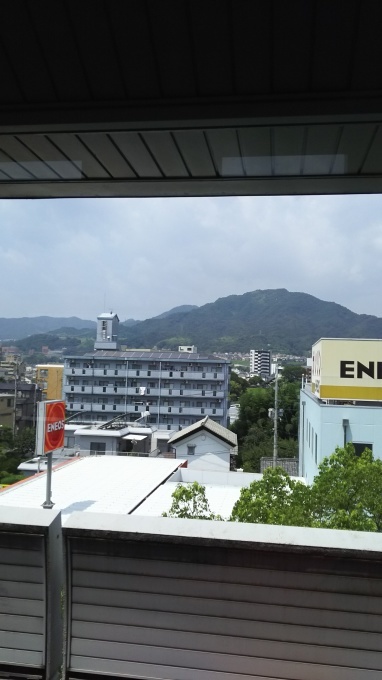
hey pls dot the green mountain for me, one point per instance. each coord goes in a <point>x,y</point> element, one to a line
<point>181,309</point>
<point>285,321</point>
<point>289,322</point>
<point>15,329</point>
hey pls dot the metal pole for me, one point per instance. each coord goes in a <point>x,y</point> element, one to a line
<point>276,417</point>
<point>48,504</point>
<point>15,400</point>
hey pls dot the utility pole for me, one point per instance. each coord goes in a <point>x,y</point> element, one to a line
<point>276,417</point>
<point>15,399</point>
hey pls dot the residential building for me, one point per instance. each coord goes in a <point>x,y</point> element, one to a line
<point>27,397</point>
<point>6,409</point>
<point>260,362</point>
<point>172,389</point>
<point>343,403</point>
<point>49,378</point>
<point>11,367</point>
<point>206,445</point>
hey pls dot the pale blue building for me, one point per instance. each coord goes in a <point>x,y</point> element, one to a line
<point>326,424</point>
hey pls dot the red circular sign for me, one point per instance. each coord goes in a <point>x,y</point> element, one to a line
<point>54,426</point>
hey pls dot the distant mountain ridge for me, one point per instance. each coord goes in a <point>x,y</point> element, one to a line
<point>19,328</point>
<point>15,329</point>
<point>275,318</point>
<point>285,321</point>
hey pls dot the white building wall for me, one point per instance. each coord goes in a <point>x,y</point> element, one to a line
<point>322,430</point>
<point>83,443</point>
<point>211,453</point>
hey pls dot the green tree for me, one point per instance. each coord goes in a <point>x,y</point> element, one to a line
<point>237,386</point>
<point>190,502</point>
<point>6,438</point>
<point>257,444</point>
<point>274,499</point>
<point>254,406</point>
<point>347,492</point>
<point>293,373</point>
<point>24,442</point>
<point>289,393</point>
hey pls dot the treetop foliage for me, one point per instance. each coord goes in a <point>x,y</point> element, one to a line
<point>346,494</point>
<point>190,502</point>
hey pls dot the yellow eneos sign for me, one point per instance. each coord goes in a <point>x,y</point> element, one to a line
<point>347,369</point>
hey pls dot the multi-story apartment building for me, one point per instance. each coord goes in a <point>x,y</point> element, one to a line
<point>173,389</point>
<point>49,378</point>
<point>260,362</point>
<point>27,396</point>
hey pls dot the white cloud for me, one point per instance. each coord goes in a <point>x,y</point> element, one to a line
<point>143,256</point>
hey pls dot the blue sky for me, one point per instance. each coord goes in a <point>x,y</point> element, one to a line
<point>141,257</point>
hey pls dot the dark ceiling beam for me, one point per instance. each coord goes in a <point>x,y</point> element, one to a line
<point>245,186</point>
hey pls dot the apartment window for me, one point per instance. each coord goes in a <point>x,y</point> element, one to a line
<point>116,372</point>
<point>105,372</point>
<point>136,372</point>
<point>190,450</point>
<point>82,389</point>
<point>359,447</point>
<point>148,372</point>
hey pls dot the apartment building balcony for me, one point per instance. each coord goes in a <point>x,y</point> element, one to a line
<point>186,411</point>
<point>80,389</point>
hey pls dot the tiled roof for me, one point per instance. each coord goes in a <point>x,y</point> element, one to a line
<point>206,424</point>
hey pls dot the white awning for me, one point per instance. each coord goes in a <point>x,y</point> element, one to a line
<point>136,437</point>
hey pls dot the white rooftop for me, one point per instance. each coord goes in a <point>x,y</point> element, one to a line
<point>222,490</point>
<point>221,499</point>
<point>101,484</point>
